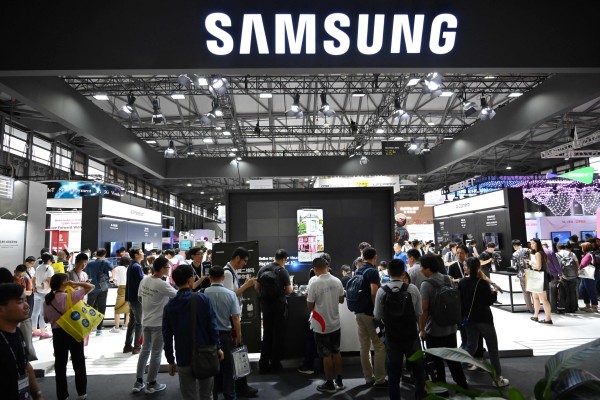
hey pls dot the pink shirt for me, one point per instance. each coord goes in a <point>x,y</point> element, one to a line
<point>60,302</point>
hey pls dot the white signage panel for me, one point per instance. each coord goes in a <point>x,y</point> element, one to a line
<point>127,211</point>
<point>434,198</point>
<point>12,243</point>
<point>65,221</point>
<point>358,181</point>
<point>261,183</point>
<point>471,204</point>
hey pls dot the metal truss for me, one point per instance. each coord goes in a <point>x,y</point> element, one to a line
<point>165,85</point>
<point>568,149</point>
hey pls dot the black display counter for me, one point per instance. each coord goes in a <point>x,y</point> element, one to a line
<point>509,283</point>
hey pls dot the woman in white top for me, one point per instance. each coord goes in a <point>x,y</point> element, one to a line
<point>41,287</point>
<point>119,276</point>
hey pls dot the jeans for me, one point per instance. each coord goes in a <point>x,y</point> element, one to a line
<point>367,336</point>
<point>226,372</point>
<point>135,324</point>
<point>64,343</point>
<point>37,316</point>
<point>274,324</point>
<point>487,330</point>
<point>97,300</point>
<point>571,301</point>
<point>455,367</point>
<point>191,387</point>
<point>587,287</point>
<point>526,294</point>
<point>395,352</point>
<point>153,344</point>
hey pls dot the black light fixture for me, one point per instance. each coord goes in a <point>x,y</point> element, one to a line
<point>456,196</point>
<point>353,127</point>
<point>487,112</point>
<point>257,129</point>
<point>363,160</point>
<point>295,110</point>
<point>170,151</point>
<point>157,116</point>
<point>185,81</point>
<point>217,85</point>
<point>398,115</point>
<point>325,110</point>
<point>128,110</point>
<point>215,112</point>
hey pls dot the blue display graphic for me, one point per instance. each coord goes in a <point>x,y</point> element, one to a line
<point>78,189</point>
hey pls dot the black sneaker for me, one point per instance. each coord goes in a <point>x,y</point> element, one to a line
<point>382,385</point>
<point>339,384</point>
<point>327,387</point>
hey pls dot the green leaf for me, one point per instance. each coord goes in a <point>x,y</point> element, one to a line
<point>461,356</point>
<point>566,359</point>
<point>585,391</point>
<point>515,394</point>
<point>573,380</point>
<point>539,388</point>
<point>416,356</point>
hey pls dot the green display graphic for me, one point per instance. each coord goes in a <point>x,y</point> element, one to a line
<point>583,175</point>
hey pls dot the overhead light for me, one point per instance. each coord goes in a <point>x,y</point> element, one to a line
<point>232,154</point>
<point>157,116</point>
<point>207,140</point>
<point>201,192</point>
<point>170,151</point>
<point>399,115</point>
<point>190,153</point>
<point>380,130</point>
<point>226,133</point>
<point>508,167</point>
<point>305,179</point>
<point>456,196</point>
<point>266,95</point>
<point>216,111</point>
<point>413,145</point>
<point>212,198</point>
<point>448,137</point>
<point>515,94</point>
<point>358,93</point>
<point>446,94</point>
<point>363,160</point>
<point>178,96</point>
<point>202,81</point>
<point>431,123</point>
<point>295,110</point>
<point>487,112</point>
<point>151,141</point>
<point>185,81</point>
<point>217,86</point>
<point>489,77</point>
<point>325,110</point>
<point>433,81</point>
<point>101,96</point>
<point>425,149</point>
<point>469,109</point>
<point>128,110</point>
<point>413,81</point>
<point>398,138</point>
<point>238,158</point>
<point>188,184</point>
<point>420,178</point>
<point>234,149</point>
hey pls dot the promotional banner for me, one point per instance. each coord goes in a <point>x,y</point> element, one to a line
<point>65,221</point>
<point>74,190</point>
<point>59,240</point>
<point>12,243</point>
<point>250,318</point>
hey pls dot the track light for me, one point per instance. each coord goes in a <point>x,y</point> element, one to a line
<point>101,96</point>
<point>398,115</point>
<point>128,110</point>
<point>216,111</point>
<point>358,93</point>
<point>363,160</point>
<point>217,86</point>
<point>157,116</point>
<point>487,112</point>
<point>170,151</point>
<point>295,110</point>
<point>433,81</point>
<point>426,146</point>
<point>185,81</point>
<point>412,146</point>
<point>325,110</point>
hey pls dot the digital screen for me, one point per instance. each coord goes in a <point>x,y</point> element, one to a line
<point>113,247</point>
<point>491,237</point>
<point>563,236</point>
<point>458,238</point>
<point>310,234</point>
<point>584,235</point>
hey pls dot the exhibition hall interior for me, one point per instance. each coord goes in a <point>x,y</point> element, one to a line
<point>310,128</point>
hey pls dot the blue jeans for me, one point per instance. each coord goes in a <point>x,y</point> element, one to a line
<point>487,330</point>
<point>153,345</point>
<point>393,364</point>
<point>587,288</point>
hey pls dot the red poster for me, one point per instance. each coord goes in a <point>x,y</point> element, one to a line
<point>59,240</point>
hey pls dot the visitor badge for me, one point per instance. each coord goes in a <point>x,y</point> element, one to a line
<point>23,386</point>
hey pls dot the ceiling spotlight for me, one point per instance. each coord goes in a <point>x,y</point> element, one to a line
<point>469,109</point>
<point>487,112</point>
<point>398,115</point>
<point>456,196</point>
<point>178,96</point>
<point>380,130</point>
<point>151,141</point>
<point>238,158</point>
<point>433,81</point>
<point>265,95</point>
<point>218,86</point>
<point>508,167</point>
<point>200,80</point>
<point>128,110</point>
<point>207,140</point>
<point>363,160</point>
<point>170,151</point>
<point>295,110</point>
<point>412,146</point>
<point>447,94</point>
<point>325,110</point>
<point>157,116</point>
<point>216,111</point>
<point>101,96</point>
<point>358,93</point>
<point>425,148</point>
<point>234,149</point>
<point>185,81</point>
<point>188,184</point>
<point>232,154</point>
<point>515,94</point>
<point>413,81</point>
<point>226,133</point>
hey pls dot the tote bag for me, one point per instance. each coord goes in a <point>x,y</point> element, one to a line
<point>79,319</point>
<point>534,280</point>
<point>241,362</point>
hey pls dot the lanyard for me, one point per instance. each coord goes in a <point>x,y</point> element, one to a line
<point>15,356</point>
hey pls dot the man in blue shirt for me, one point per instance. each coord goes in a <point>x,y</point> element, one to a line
<point>177,325</point>
<point>135,274</point>
<point>98,271</point>
<point>399,254</point>
<point>228,310</point>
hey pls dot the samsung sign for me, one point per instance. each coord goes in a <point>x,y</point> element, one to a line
<point>405,34</point>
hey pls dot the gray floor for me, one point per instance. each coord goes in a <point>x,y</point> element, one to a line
<point>289,384</point>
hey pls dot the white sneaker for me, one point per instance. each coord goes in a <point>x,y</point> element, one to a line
<point>501,382</point>
<point>115,330</point>
<point>137,387</point>
<point>157,387</point>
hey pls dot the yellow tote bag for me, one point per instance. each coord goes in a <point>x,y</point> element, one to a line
<point>80,319</point>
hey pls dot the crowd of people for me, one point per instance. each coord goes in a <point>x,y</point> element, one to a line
<point>422,297</point>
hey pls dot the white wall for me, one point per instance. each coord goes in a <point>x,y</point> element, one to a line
<point>12,243</point>
<point>574,224</point>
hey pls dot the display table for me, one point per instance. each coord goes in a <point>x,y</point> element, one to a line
<point>509,283</point>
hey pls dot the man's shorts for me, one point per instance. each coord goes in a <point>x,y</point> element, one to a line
<point>328,344</point>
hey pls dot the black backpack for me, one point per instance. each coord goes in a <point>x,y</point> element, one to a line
<point>270,287</point>
<point>568,267</point>
<point>445,310</point>
<point>398,313</point>
<point>356,295</point>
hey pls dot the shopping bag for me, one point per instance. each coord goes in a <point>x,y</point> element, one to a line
<point>79,319</point>
<point>534,281</point>
<point>241,362</point>
<point>587,272</point>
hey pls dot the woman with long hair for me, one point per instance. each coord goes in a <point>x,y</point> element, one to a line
<point>587,286</point>
<point>55,305</point>
<point>476,298</point>
<point>538,263</point>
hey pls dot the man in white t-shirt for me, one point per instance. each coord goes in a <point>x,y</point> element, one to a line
<point>324,295</point>
<point>154,294</point>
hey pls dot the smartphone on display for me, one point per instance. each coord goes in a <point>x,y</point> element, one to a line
<point>311,242</point>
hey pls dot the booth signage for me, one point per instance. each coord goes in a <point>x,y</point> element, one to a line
<point>75,190</point>
<point>65,221</point>
<point>127,211</point>
<point>471,204</point>
<point>6,187</point>
<point>583,175</point>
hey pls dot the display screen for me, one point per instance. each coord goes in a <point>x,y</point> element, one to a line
<point>563,236</point>
<point>458,238</point>
<point>491,237</point>
<point>546,242</point>
<point>310,234</point>
<point>112,248</point>
<point>587,235</point>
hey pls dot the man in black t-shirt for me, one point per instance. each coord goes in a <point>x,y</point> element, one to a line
<point>17,378</point>
<point>274,309</point>
<point>487,259</point>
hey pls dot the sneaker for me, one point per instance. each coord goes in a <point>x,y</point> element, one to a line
<point>115,330</point>
<point>46,336</point>
<point>501,382</point>
<point>382,385</point>
<point>138,387</point>
<point>127,349</point>
<point>327,387</point>
<point>157,387</point>
<point>123,328</point>
<point>82,397</point>
<point>473,367</point>
<point>99,332</point>
<point>339,384</point>
<point>306,370</point>
<point>136,350</point>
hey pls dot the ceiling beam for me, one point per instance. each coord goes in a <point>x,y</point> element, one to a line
<point>54,98</point>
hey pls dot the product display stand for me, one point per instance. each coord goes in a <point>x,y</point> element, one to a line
<point>509,283</point>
